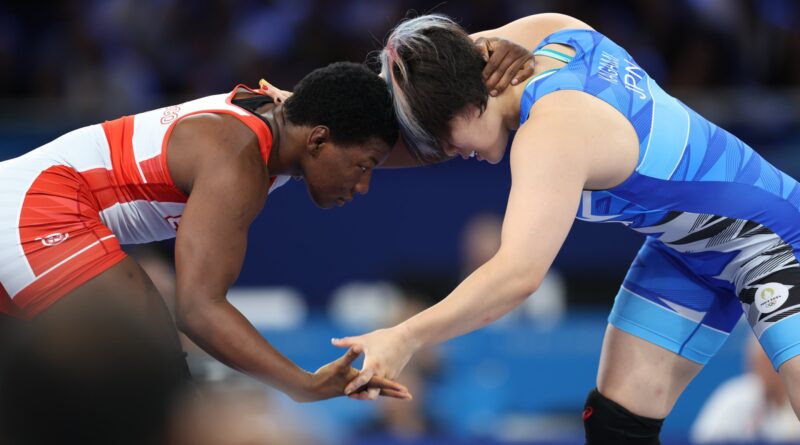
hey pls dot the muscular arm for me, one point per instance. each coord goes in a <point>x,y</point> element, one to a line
<point>229,187</point>
<point>549,171</point>
<point>547,180</point>
<point>555,155</point>
<point>219,164</point>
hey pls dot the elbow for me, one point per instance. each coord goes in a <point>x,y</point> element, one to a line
<point>521,277</point>
<point>189,316</point>
<point>194,314</point>
<point>183,319</point>
<point>524,285</point>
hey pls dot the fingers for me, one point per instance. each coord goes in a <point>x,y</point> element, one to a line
<point>373,393</point>
<point>524,73</point>
<point>509,75</point>
<point>344,342</point>
<point>362,379</point>
<point>281,96</point>
<point>359,395</point>
<point>493,55</point>
<point>277,94</point>
<point>401,395</point>
<point>508,64</point>
<point>483,47</point>
<point>502,67</point>
<point>384,383</point>
<point>349,357</point>
<point>364,395</point>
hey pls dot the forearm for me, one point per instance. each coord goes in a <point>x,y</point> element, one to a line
<point>223,332</point>
<point>487,294</point>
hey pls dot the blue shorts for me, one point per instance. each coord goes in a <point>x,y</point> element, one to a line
<point>665,301</point>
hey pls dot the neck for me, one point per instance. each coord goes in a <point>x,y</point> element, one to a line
<point>282,159</point>
<point>513,95</point>
<point>509,102</point>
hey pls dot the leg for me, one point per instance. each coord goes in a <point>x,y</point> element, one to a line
<point>664,326</point>
<point>642,377</point>
<point>125,286</point>
<point>101,362</point>
<point>771,305</point>
<point>790,374</point>
<point>637,385</point>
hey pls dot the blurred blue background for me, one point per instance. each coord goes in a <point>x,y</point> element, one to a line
<point>75,63</point>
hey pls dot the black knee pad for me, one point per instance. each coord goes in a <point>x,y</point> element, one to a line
<point>608,423</point>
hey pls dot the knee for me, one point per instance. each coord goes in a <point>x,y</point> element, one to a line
<point>607,422</point>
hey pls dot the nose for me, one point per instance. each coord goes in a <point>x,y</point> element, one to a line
<point>450,150</point>
<point>362,187</point>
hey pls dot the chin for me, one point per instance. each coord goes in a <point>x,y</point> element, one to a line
<point>324,205</point>
<point>319,202</point>
<point>500,153</point>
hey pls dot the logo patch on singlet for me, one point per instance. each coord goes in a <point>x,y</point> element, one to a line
<point>771,296</point>
<point>53,239</point>
<point>174,221</point>
<point>170,114</point>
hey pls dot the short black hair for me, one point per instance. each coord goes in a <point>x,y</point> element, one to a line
<point>348,98</point>
<point>436,74</point>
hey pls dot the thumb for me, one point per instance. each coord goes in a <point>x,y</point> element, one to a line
<point>350,356</point>
<point>373,393</point>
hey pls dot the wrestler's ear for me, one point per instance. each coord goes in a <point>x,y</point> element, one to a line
<point>317,138</point>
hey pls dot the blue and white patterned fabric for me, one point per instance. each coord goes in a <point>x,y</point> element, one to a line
<point>722,224</point>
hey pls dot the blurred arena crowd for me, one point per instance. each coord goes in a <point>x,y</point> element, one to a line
<point>108,57</point>
<point>76,62</point>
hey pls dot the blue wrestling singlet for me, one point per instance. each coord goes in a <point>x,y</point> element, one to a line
<point>722,224</point>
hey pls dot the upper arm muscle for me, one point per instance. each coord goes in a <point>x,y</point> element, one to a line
<point>548,176</point>
<point>229,189</point>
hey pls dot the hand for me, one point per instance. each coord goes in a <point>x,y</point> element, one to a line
<point>506,63</point>
<point>274,92</point>
<point>386,352</point>
<point>329,381</point>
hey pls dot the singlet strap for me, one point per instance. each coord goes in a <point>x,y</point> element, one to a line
<point>553,54</point>
<point>542,75</point>
<point>252,104</point>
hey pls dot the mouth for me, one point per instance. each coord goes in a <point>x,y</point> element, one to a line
<point>471,154</point>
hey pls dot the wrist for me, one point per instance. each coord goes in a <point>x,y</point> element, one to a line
<point>303,387</point>
<point>411,338</point>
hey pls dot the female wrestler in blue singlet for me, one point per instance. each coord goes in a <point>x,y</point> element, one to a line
<point>596,137</point>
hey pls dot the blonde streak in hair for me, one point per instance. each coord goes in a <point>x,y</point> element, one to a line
<point>408,37</point>
<point>412,129</point>
<point>411,32</point>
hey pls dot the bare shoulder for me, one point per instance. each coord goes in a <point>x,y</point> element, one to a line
<point>213,141</point>
<point>531,30</point>
<point>586,130</point>
<point>555,20</point>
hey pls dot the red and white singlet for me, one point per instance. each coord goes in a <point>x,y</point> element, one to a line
<point>66,207</point>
